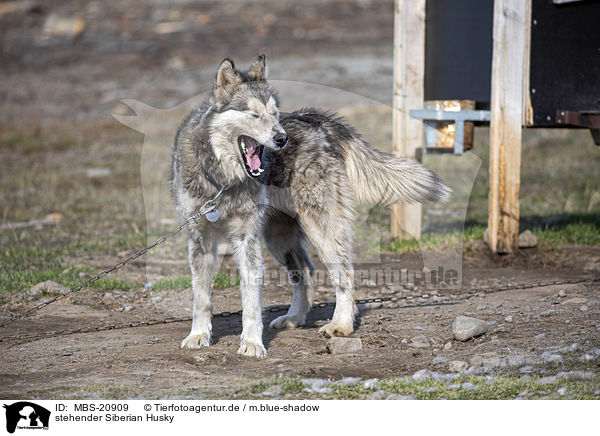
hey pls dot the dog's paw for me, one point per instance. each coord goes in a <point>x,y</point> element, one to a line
<point>286,322</point>
<point>330,330</point>
<point>252,349</point>
<point>196,340</point>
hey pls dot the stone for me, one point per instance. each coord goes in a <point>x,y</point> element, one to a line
<point>548,313</point>
<point>527,240</point>
<point>377,395</point>
<point>273,391</point>
<point>425,374</point>
<point>399,397</point>
<point>457,366</point>
<point>65,27</point>
<point>583,308</point>
<point>509,318</point>
<point>439,359</point>
<point>448,345</point>
<point>468,386</point>
<point>49,287</point>
<point>547,356</point>
<point>370,383</point>
<point>316,385</point>
<point>465,328</point>
<point>349,381</point>
<point>419,341</point>
<point>575,300</point>
<point>339,345</point>
<point>562,293</point>
<point>547,380</point>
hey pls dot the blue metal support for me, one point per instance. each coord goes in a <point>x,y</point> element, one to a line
<point>431,116</point>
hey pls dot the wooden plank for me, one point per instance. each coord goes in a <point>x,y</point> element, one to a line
<point>409,84</point>
<point>509,69</point>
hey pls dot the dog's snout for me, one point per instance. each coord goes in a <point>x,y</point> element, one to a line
<point>280,140</point>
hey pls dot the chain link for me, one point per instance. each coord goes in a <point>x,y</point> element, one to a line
<point>282,308</point>
<point>207,207</point>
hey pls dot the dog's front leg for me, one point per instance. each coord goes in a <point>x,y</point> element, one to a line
<point>248,255</point>
<point>202,260</point>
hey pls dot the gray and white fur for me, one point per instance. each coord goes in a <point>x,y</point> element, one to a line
<point>290,179</point>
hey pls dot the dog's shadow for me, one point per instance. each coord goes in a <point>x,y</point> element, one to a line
<point>232,325</point>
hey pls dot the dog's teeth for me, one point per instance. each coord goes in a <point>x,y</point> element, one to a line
<point>244,146</point>
<point>260,171</point>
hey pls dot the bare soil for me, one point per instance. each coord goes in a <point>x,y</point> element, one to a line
<point>58,85</point>
<point>145,362</point>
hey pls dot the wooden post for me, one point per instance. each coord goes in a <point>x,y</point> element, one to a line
<point>510,66</point>
<point>409,72</point>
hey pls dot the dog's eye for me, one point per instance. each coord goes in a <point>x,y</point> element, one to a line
<point>254,114</point>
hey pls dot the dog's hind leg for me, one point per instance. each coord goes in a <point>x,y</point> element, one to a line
<point>332,238</point>
<point>248,254</point>
<point>202,259</point>
<point>287,244</point>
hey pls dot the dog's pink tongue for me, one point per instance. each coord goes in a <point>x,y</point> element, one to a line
<point>252,158</point>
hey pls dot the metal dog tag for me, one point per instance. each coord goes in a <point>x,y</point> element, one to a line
<point>213,215</point>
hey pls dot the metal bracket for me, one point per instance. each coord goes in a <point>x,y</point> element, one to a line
<point>459,117</point>
<point>589,120</point>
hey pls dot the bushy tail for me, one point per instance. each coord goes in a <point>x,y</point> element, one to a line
<point>380,178</point>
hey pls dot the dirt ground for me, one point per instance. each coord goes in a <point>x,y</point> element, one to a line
<point>66,66</point>
<point>146,362</point>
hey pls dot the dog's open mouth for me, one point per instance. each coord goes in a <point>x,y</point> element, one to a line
<point>251,152</point>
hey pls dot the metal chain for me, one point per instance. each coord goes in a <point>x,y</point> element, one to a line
<point>203,210</point>
<point>281,308</point>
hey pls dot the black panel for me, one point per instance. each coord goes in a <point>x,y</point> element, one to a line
<point>565,59</point>
<point>458,50</point>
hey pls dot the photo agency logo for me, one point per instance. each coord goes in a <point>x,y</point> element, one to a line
<point>25,415</point>
<point>429,268</point>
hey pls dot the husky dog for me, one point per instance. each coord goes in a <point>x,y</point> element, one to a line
<point>288,178</point>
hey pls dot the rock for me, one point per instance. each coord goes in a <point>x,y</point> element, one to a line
<point>562,293</point>
<point>57,26</point>
<point>316,385</point>
<point>525,378</point>
<point>469,386</point>
<point>49,287</point>
<point>399,397</point>
<point>419,341</point>
<point>454,386</point>
<point>465,328</point>
<point>509,318</point>
<point>527,240</point>
<point>547,356</point>
<point>583,308</point>
<point>377,395</point>
<point>339,345</point>
<point>370,383</point>
<point>562,391</point>
<point>457,366</point>
<point>575,300</point>
<point>425,374</point>
<point>547,380</point>
<point>548,313</point>
<point>273,391</point>
<point>439,359</point>
<point>516,360</point>
<point>592,303</point>
<point>448,346</point>
<point>431,389</point>
<point>93,173</point>
<point>576,375</point>
<point>349,381</point>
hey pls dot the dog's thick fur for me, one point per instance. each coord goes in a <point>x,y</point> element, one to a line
<point>304,194</point>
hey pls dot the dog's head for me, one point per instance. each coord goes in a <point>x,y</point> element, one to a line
<point>246,116</point>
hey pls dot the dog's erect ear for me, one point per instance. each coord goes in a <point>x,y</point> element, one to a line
<point>258,68</point>
<point>226,78</point>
